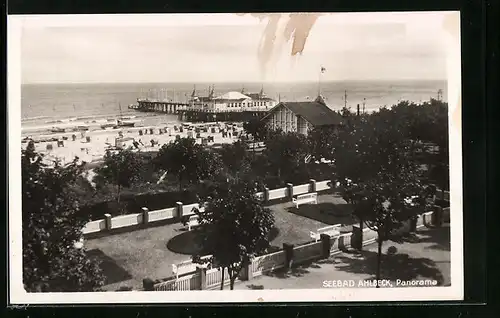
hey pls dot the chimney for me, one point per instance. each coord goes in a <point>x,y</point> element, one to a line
<point>358,110</point>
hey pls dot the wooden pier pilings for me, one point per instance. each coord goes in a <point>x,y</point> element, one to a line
<point>159,106</point>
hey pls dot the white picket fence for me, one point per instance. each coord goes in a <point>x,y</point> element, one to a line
<point>273,261</point>
<point>214,277</point>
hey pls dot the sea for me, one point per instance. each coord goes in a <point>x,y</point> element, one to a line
<point>49,105</point>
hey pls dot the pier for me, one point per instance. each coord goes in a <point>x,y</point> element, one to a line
<point>160,106</point>
<point>186,113</point>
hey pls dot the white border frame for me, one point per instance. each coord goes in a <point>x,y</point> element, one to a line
<point>19,296</point>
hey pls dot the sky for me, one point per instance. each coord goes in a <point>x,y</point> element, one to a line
<point>225,48</point>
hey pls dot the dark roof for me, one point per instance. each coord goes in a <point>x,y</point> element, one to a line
<point>315,113</point>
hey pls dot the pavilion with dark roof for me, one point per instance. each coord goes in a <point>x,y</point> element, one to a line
<point>302,116</point>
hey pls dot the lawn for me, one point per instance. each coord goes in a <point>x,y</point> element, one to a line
<point>130,257</point>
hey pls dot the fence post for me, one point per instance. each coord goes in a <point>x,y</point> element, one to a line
<point>266,194</point>
<point>342,246</point>
<point>246,272</point>
<point>109,224</point>
<point>148,284</point>
<point>290,190</point>
<point>357,237</point>
<point>145,215</point>
<point>437,216</point>
<point>179,209</point>
<point>288,249</point>
<point>202,271</point>
<point>312,185</point>
<point>326,245</point>
<point>413,223</point>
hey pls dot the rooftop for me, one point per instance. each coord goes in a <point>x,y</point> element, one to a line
<point>315,112</point>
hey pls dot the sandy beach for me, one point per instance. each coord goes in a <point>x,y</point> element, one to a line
<point>90,146</point>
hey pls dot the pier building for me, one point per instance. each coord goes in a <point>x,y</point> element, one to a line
<point>231,106</point>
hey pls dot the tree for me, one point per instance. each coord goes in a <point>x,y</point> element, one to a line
<point>51,225</point>
<point>321,142</point>
<point>286,154</point>
<point>385,202</point>
<point>256,128</point>
<point>190,162</point>
<point>386,187</point>
<point>120,168</point>
<point>235,158</point>
<point>234,227</point>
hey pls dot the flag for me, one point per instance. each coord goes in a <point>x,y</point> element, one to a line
<point>323,69</point>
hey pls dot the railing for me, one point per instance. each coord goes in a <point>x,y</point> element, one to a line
<point>322,185</point>
<point>301,189</point>
<point>188,282</point>
<point>214,277</point>
<point>126,220</point>
<point>267,263</point>
<point>307,252</point>
<point>277,193</point>
<point>170,213</point>
<point>163,214</point>
<point>95,226</point>
<point>188,209</point>
<point>192,280</point>
<point>166,285</point>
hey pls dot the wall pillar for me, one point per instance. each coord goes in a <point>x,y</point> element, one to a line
<point>202,271</point>
<point>413,223</point>
<point>357,237</point>
<point>326,245</point>
<point>145,215</point>
<point>288,248</point>
<point>246,272</point>
<point>437,216</point>
<point>266,194</point>
<point>289,186</point>
<point>179,209</point>
<point>148,284</point>
<point>312,185</point>
<point>109,224</point>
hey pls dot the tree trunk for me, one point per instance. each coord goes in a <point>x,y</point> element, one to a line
<point>222,279</point>
<point>379,258</point>
<point>119,189</point>
<point>231,282</point>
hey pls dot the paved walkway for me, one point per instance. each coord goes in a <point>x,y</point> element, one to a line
<point>426,258</point>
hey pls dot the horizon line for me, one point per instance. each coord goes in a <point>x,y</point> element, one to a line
<point>234,81</point>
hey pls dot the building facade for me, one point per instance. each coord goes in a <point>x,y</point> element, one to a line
<point>231,101</point>
<point>301,117</point>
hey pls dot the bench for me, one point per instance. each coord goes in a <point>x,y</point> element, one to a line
<point>186,267</point>
<point>332,230</point>
<point>305,198</point>
<point>193,222</point>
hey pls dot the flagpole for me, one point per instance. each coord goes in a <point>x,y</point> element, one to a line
<point>319,82</point>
